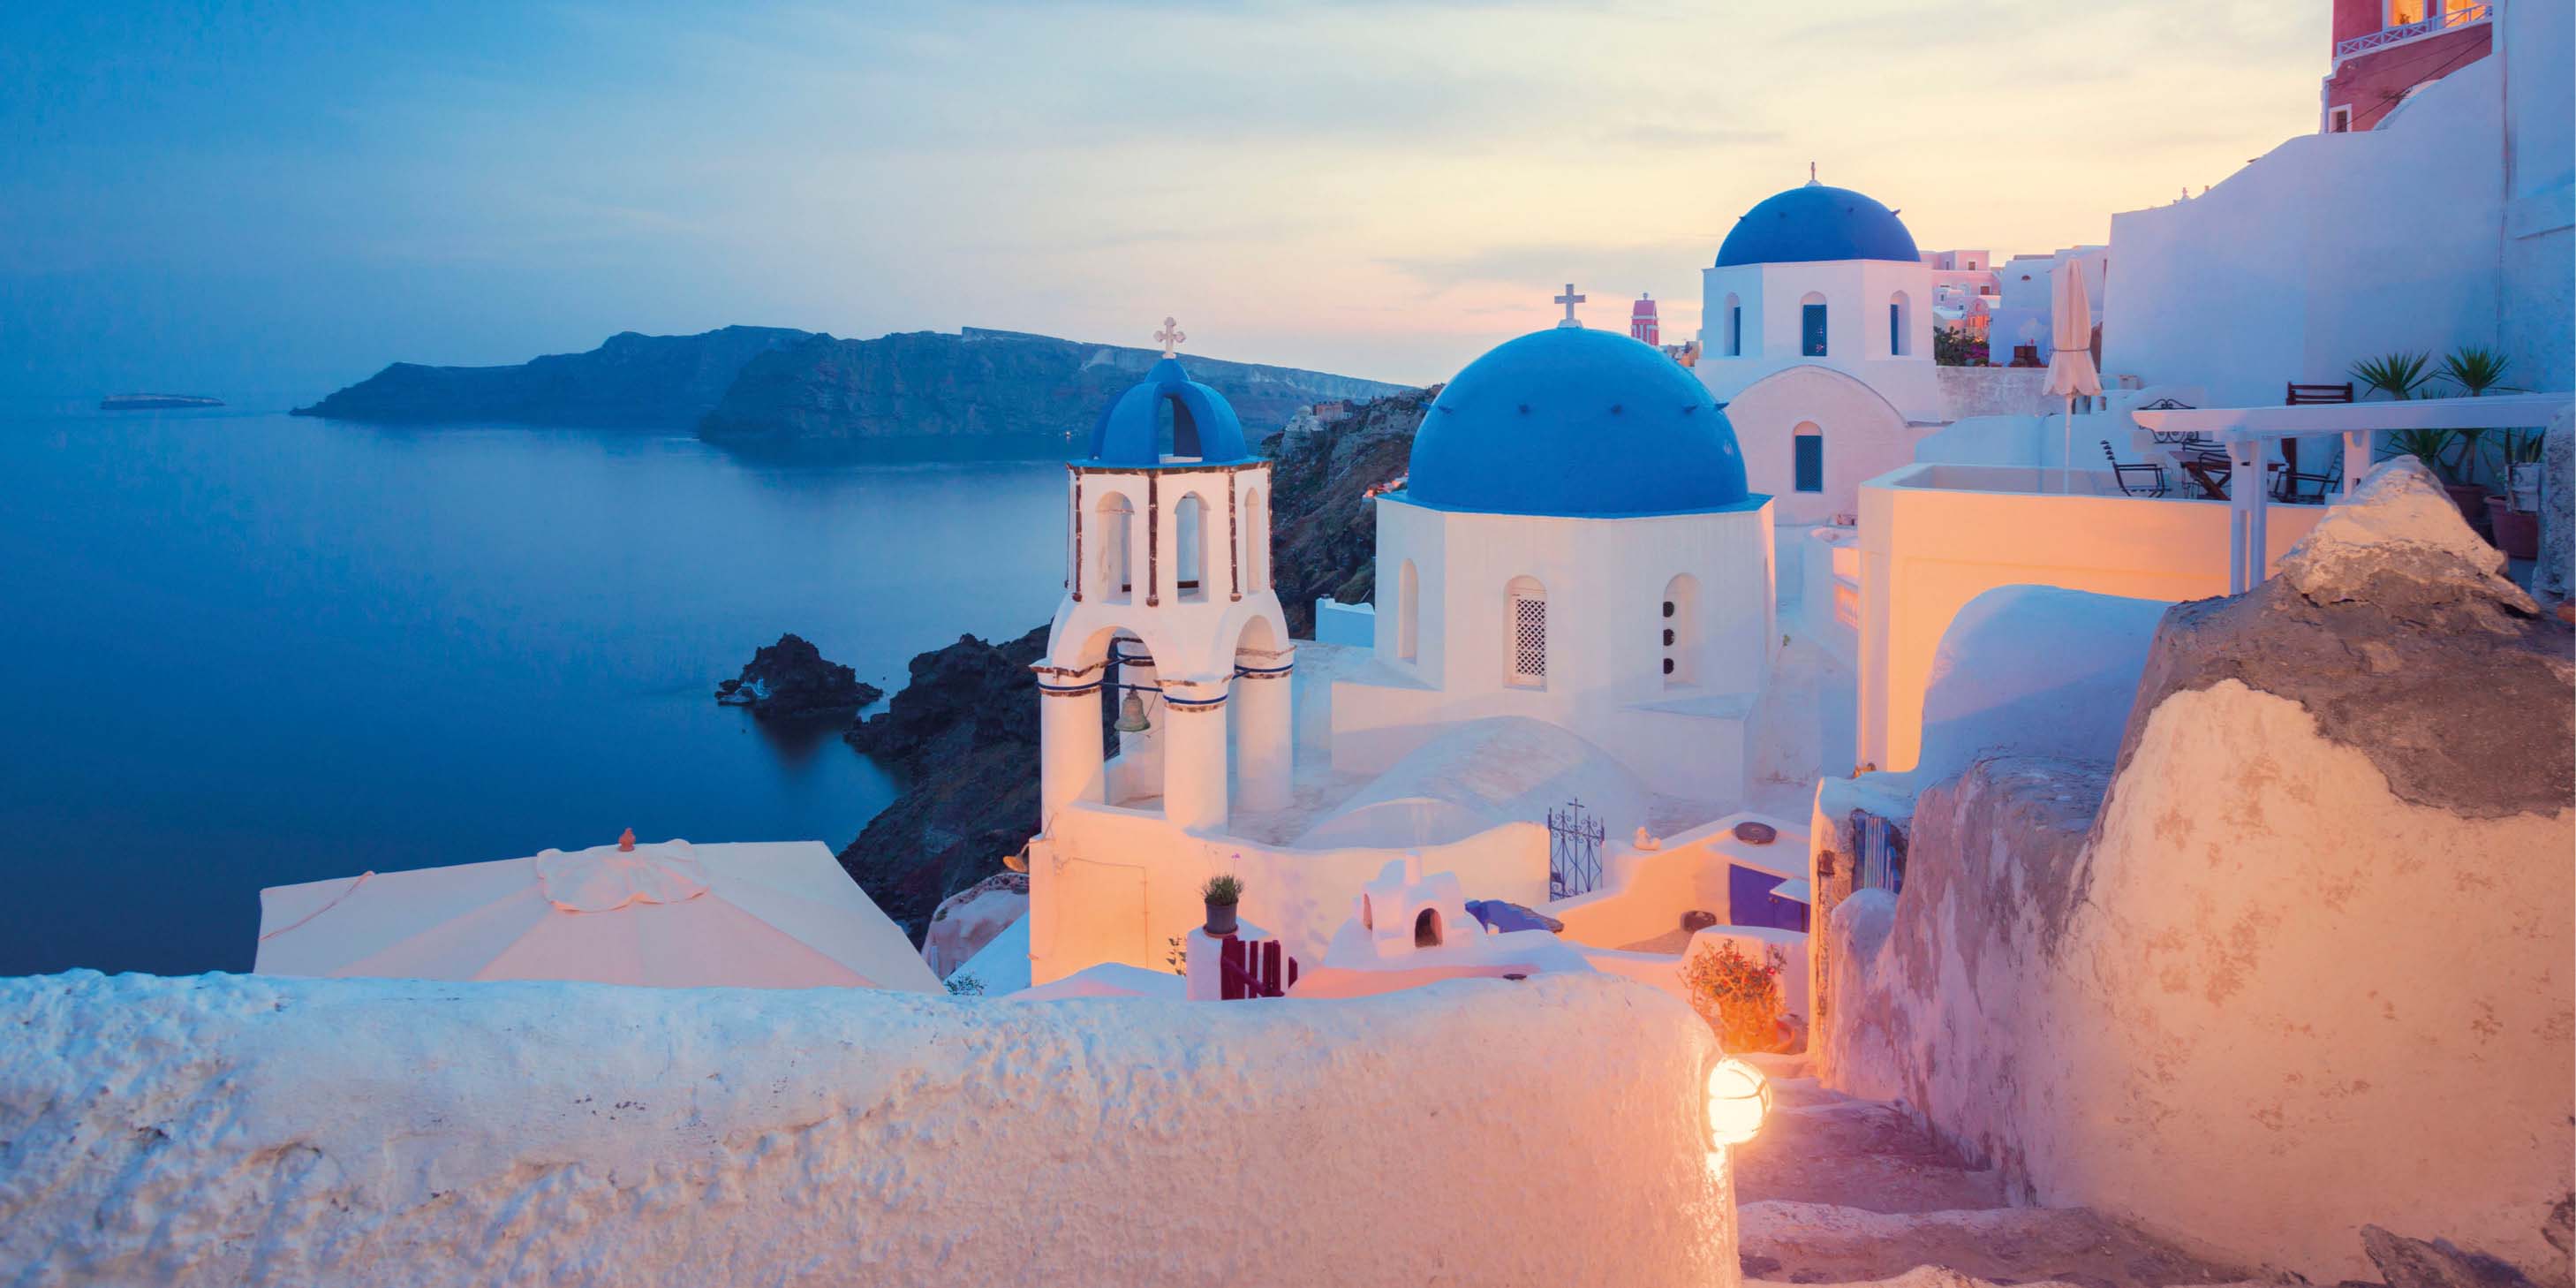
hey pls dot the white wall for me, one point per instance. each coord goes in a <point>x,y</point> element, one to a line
<point>1117,885</point>
<point>1857,293</point>
<point>1864,437</point>
<point>1934,537</point>
<point>1605,581</point>
<point>2329,249</point>
<point>220,1130</point>
<point>2540,213</point>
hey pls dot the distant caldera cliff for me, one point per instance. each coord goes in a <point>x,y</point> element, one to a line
<point>918,393</point>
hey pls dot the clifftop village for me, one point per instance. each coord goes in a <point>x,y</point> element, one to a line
<point>2052,767</point>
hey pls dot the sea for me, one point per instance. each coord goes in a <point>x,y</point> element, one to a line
<point>246,649</point>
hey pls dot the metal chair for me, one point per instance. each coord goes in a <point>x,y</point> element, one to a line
<point>2150,476</point>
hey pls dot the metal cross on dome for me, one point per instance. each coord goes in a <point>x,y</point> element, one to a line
<point>1171,338</point>
<point>1569,300</point>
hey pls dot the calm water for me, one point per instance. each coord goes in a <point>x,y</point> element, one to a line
<point>247,649</point>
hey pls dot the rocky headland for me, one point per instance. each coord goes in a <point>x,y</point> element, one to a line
<point>792,682</point>
<point>963,729</point>
<point>631,380</point>
<point>912,395</point>
<point>931,394</point>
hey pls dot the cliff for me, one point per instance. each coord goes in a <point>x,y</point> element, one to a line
<point>1324,526</point>
<point>929,393</point>
<point>642,381</point>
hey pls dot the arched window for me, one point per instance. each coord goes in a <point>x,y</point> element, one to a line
<point>1900,320</point>
<point>1256,544</point>
<point>1811,325</point>
<point>1408,611</point>
<point>1527,625</point>
<point>1733,320</point>
<point>1810,443</point>
<point>1426,929</point>
<point>1678,623</point>
<point>1189,530</point>
<point>1112,532</point>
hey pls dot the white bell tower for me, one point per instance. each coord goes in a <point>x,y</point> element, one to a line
<point>1168,615</point>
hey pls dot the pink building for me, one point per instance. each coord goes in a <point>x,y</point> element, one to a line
<point>2385,50</point>
<point>1642,324</point>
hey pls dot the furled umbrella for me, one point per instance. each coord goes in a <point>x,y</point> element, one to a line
<point>2070,358</point>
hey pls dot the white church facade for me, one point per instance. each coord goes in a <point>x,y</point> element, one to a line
<point>1816,337</point>
<point>1576,603</point>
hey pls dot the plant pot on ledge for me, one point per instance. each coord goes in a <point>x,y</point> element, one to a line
<point>1222,895</point>
<point>2517,532</point>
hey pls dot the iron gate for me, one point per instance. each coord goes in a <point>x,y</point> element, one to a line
<point>1573,851</point>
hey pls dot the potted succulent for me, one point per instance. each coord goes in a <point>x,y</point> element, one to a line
<point>1222,893</point>
<point>2515,513</point>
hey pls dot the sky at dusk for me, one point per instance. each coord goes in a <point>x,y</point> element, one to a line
<point>257,200</point>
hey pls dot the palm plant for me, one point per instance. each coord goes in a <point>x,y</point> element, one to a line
<point>2431,446</point>
<point>2398,375</point>
<point>2476,369</point>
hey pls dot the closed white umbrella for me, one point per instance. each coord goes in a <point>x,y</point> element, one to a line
<point>2070,358</point>
<point>673,915</point>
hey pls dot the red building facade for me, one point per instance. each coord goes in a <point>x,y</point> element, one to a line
<point>1642,324</point>
<point>2386,49</point>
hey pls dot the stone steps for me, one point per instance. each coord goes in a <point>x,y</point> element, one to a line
<point>1841,1190</point>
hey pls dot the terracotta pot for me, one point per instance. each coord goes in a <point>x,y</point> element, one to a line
<point>1220,920</point>
<point>2471,500</point>
<point>2517,532</point>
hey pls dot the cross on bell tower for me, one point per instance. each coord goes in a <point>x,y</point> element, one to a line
<point>1569,300</point>
<point>1170,337</point>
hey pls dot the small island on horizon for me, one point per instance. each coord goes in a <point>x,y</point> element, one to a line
<point>155,402</point>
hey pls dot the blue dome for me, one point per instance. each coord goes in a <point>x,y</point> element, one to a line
<point>1576,423</point>
<point>1130,432</point>
<point>1816,223</point>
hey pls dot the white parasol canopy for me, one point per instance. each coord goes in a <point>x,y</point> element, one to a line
<point>2070,357</point>
<point>671,915</point>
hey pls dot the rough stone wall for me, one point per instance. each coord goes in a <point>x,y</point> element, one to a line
<point>227,1130</point>
<point>2304,961</point>
<point>1994,391</point>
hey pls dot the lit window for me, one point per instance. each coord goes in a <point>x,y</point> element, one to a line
<point>2403,13</point>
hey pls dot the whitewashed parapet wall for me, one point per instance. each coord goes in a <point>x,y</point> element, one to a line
<point>2302,961</point>
<point>227,1130</point>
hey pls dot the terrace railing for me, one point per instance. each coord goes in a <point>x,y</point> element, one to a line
<point>2444,19</point>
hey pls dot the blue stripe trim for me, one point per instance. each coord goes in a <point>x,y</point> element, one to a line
<point>1241,669</point>
<point>1169,700</point>
<point>1045,687</point>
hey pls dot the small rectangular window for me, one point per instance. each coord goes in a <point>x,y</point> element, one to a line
<point>2339,121</point>
<point>1813,330</point>
<point>1735,331</point>
<point>1529,640</point>
<point>1811,462</point>
<point>1895,330</point>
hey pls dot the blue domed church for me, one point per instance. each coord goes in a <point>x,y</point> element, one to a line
<point>1576,543</point>
<point>1816,337</point>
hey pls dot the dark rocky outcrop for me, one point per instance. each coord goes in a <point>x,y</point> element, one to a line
<point>924,393</point>
<point>791,682</point>
<point>2418,1263</point>
<point>964,733</point>
<point>631,380</point>
<point>1324,526</point>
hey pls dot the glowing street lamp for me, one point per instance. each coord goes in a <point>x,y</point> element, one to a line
<point>1739,1098</point>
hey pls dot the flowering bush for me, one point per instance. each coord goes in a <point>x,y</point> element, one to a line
<point>1738,996</point>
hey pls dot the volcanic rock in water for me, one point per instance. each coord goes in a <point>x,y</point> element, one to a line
<point>791,681</point>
